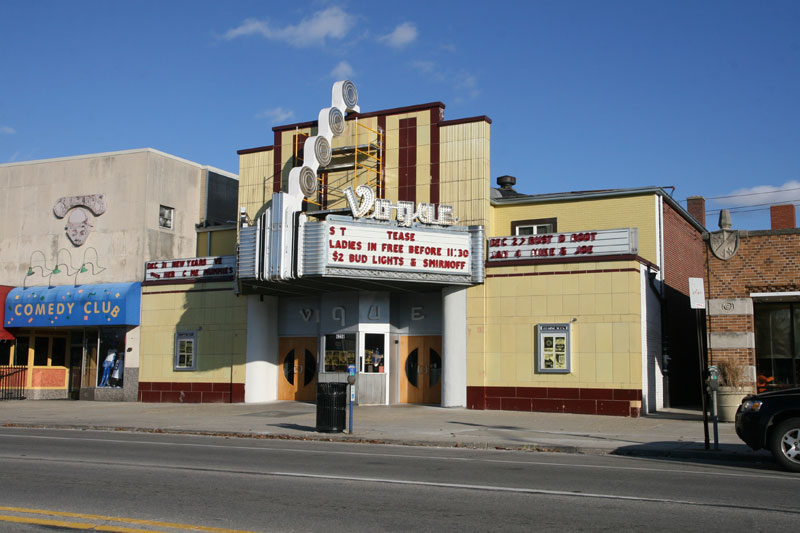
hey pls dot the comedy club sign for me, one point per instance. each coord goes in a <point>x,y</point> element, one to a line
<point>109,304</point>
<point>555,246</point>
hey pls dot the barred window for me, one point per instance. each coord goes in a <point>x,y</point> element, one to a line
<point>186,351</point>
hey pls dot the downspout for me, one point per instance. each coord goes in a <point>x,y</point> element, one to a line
<point>661,293</point>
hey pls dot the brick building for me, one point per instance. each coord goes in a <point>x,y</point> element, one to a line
<point>753,295</point>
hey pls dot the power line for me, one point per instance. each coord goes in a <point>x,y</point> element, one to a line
<point>745,209</point>
<point>778,191</point>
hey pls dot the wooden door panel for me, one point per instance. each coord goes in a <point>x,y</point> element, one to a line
<point>420,369</point>
<point>297,379</point>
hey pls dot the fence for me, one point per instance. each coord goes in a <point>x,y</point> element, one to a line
<point>12,382</point>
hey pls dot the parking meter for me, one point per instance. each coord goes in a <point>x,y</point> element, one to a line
<point>713,378</point>
<point>351,379</point>
<point>713,387</point>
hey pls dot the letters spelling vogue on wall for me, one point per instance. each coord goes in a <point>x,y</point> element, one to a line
<point>391,247</point>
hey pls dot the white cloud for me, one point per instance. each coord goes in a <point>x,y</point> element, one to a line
<point>331,23</point>
<point>7,130</point>
<point>425,67</point>
<point>342,71</point>
<point>763,194</point>
<point>276,114</point>
<point>464,84</point>
<point>467,84</point>
<point>402,35</point>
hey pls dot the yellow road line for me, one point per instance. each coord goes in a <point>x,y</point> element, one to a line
<point>72,525</point>
<point>188,527</point>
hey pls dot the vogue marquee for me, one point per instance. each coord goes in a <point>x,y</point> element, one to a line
<point>369,282</point>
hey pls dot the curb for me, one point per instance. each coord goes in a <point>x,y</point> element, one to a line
<point>691,453</point>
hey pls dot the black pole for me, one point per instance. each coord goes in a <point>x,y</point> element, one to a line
<point>701,360</point>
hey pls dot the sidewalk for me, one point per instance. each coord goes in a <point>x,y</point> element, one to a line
<point>672,433</point>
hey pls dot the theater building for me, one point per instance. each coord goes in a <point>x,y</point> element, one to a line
<point>374,243</point>
<point>75,236</point>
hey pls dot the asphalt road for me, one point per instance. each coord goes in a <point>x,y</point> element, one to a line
<point>168,482</point>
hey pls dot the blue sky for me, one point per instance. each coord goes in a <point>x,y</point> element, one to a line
<point>700,95</point>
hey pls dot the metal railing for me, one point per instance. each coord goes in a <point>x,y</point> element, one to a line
<point>12,382</point>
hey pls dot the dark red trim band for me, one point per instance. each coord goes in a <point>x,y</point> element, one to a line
<point>174,392</point>
<point>254,150</point>
<point>277,165</point>
<point>615,402</point>
<point>562,272</point>
<point>230,289</point>
<point>586,259</point>
<point>455,122</point>
<point>435,155</point>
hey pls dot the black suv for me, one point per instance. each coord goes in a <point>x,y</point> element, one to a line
<point>772,420</point>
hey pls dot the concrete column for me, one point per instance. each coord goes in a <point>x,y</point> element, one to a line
<point>454,346</point>
<point>261,356</point>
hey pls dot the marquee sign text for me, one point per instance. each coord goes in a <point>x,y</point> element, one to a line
<point>564,245</point>
<point>198,267</point>
<point>392,248</point>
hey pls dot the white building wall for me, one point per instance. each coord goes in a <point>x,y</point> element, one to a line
<point>133,183</point>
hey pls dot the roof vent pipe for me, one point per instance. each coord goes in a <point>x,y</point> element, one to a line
<point>507,182</point>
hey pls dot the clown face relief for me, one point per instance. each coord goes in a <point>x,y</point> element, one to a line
<point>79,209</point>
<point>78,226</point>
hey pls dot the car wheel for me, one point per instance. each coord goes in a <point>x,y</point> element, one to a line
<point>785,444</point>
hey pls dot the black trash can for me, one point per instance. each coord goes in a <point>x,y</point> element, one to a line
<point>331,407</point>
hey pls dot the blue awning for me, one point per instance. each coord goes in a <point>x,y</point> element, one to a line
<point>104,304</point>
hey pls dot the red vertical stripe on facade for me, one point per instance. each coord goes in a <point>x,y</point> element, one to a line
<point>276,164</point>
<point>435,113</point>
<point>407,161</point>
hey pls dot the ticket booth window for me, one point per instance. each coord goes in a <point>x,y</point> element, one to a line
<point>374,356</point>
<point>340,351</point>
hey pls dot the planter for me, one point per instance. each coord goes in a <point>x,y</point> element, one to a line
<point>728,401</point>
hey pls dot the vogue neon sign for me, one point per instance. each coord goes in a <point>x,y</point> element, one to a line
<point>405,212</point>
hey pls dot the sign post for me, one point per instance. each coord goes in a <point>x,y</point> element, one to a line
<point>697,299</point>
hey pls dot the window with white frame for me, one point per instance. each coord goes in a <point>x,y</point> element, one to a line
<point>537,226</point>
<point>186,350</point>
<point>165,216</point>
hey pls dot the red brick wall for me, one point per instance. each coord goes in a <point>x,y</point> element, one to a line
<point>764,262</point>
<point>684,251</point>
<point>782,216</point>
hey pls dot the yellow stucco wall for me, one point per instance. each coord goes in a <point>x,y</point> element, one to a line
<point>210,309</point>
<point>606,343</point>
<point>216,243</point>
<point>255,180</point>
<point>465,171</point>
<point>591,214</point>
